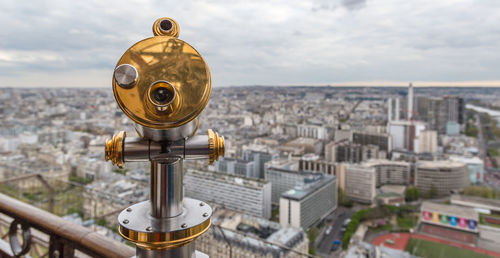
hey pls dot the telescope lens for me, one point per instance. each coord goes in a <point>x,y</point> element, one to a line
<point>162,95</point>
<point>166,25</point>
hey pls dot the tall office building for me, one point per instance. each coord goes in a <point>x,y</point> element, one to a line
<point>283,179</point>
<point>248,195</point>
<point>360,183</point>
<point>410,102</point>
<point>444,176</point>
<point>259,155</point>
<point>236,167</point>
<point>233,234</point>
<point>393,109</point>
<point>456,109</point>
<point>307,204</point>
<point>438,112</point>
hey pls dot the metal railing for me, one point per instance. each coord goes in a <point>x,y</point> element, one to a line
<point>63,238</point>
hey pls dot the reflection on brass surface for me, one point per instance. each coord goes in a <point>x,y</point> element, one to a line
<point>164,58</point>
<point>114,149</point>
<point>164,240</point>
<point>216,146</point>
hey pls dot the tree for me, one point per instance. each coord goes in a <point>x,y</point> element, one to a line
<point>411,194</point>
<point>343,199</point>
<point>481,191</point>
<point>312,234</point>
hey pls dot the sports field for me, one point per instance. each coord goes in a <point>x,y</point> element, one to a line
<point>424,248</point>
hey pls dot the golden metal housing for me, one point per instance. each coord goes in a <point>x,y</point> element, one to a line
<point>164,58</point>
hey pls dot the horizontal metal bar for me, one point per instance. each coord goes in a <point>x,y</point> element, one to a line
<point>137,149</point>
<point>81,238</point>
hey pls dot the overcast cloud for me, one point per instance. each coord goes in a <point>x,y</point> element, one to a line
<point>77,43</point>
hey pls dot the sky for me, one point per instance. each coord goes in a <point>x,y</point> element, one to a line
<point>63,43</point>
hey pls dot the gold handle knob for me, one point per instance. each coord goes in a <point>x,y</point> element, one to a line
<point>114,149</point>
<point>216,146</point>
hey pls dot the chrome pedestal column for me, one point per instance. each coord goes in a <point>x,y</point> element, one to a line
<point>166,188</point>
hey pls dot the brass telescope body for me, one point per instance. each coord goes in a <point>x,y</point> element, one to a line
<point>162,83</point>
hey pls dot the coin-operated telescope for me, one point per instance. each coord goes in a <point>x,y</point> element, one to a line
<point>162,83</point>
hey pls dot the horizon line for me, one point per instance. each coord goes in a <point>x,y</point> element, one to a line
<point>417,84</point>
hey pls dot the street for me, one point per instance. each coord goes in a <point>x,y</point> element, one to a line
<point>325,245</point>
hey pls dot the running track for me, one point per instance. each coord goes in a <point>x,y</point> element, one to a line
<point>401,240</point>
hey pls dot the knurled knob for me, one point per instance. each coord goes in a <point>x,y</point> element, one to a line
<point>114,149</point>
<point>216,146</point>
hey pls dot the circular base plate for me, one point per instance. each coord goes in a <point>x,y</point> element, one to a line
<point>137,225</point>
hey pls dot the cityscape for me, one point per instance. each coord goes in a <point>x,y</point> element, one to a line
<point>308,171</point>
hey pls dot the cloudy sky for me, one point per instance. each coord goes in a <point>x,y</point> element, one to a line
<point>291,42</point>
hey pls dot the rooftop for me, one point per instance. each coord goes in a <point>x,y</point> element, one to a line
<point>301,192</point>
<point>476,202</point>
<point>440,164</point>
<point>255,232</point>
<point>453,210</point>
<point>468,160</point>
<point>377,162</point>
<point>303,140</point>
<point>229,179</point>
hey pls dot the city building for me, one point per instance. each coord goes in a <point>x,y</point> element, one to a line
<point>248,195</point>
<point>366,250</point>
<point>411,99</point>
<point>393,109</point>
<point>302,146</point>
<point>259,155</point>
<point>452,128</point>
<point>283,179</point>
<point>349,152</point>
<point>443,177</point>
<point>427,142</point>
<point>360,183</point>
<point>438,111</point>
<point>312,163</point>
<point>382,140</point>
<point>405,134</point>
<point>391,194</point>
<point>479,204</point>
<point>236,167</point>
<point>475,166</point>
<point>448,216</point>
<point>468,222</point>
<point>312,131</point>
<point>310,202</point>
<point>390,172</point>
<point>234,234</point>
<point>343,134</point>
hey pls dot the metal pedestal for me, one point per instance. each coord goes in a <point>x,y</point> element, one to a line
<point>167,225</point>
